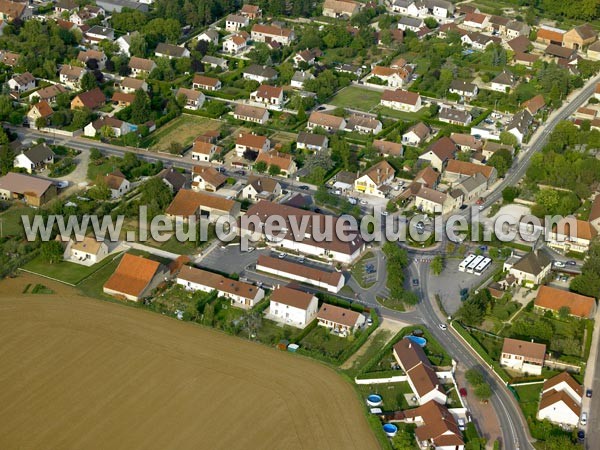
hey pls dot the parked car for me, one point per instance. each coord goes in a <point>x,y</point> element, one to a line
<point>463,392</point>
<point>303,187</point>
<point>385,213</point>
<point>363,202</point>
<point>281,255</point>
<point>581,436</point>
<point>588,393</point>
<point>584,418</point>
<point>461,424</point>
<point>571,263</point>
<point>415,282</point>
<point>251,249</point>
<point>559,264</point>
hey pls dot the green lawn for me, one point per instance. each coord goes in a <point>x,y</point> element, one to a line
<point>65,271</point>
<point>371,347</point>
<point>403,115</point>
<point>182,130</point>
<point>108,165</point>
<point>11,222</point>
<point>321,340</point>
<point>391,393</point>
<point>356,98</point>
<point>92,286</point>
<point>528,397</point>
<point>358,270</point>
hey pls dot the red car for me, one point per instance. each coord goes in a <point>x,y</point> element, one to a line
<point>463,392</point>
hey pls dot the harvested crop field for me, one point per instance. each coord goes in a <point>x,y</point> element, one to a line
<point>81,373</point>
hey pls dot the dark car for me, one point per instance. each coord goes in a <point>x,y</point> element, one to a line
<point>318,211</point>
<point>415,282</point>
<point>240,172</point>
<point>581,436</point>
<point>588,393</point>
<point>303,187</point>
<point>571,263</point>
<point>463,392</point>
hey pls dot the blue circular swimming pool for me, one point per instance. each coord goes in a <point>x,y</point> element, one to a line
<point>374,400</point>
<point>390,429</point>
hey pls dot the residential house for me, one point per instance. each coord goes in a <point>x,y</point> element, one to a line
<point>472,187</point>
<point>515,28</point>
<point>503,82</point>
<point>10,11</point>
<point>341,8</point>
<point>491,147</point>
<point>332,281</point>
<point>479,41</point>
<point>141,66</point>
<point>456,170</point>
<point>90,99</point>
<point>215,63</point>
<point>99,33</point>
<point>364,124</point>
<point>560,54</point>
<point>122,99</point>
<point>9,58</point>
<point>33,191</point>
<point>206,83</point>
<point>251,114</point>
<point>561,401</point>
<point>593,51</point>
<point>268,95</point>
<point>580,37</point>
<point>130,85</point>
<point>344,251</point>
<point>552,299</point>
<point>235,43</point>
<point>211,36</point>
<point>21,82</point>
<point>437,428</point>
<point>124,42</point>
<point>523,356</point>
<point>594,217</point>
<point>394,78</point>
<point>284,161</point>
<point>311,141</point>
<point>271,33</point>
<point>455,116</point>
<point>376,180</point>
<point>519,125</point>
<point>534,104</point>
<point>530,269</point>
<point>307,57</point>
<point>292,307</point>
<point>388,148</point>
<point>476,21</point>
<point>341,321</point>
<point>261,188</point>
<point>135,278</point>
<point>427,177</point>
<point>170,51</point>
<point>40,110</point>
<point>65,6</point>
<point>419,371</point>
<point>328,122</point>
<point>300,77</point>
<point>525,59</point>
<point>439,152</point>
<point>86,250</point>
<point>401,100</point>
<point>35,158</point>
<point>249,142</point>
<point>258,73</point>
<point>203,205</point>
<point>48,93</point>
<point>410,23</point>
<point>234,22</point>
<point>520,44</point>
<point>194,99</point>
<point>173,179</point>
<point>118,184</point>
<point>241,294</point>
<point>87,56</point>
<point>70,76</point>
<point>464,89</point>
<point>117,127</point>
<point>251,11</point>
<point>206,178</point>
<point>467,142</point>
<point>416,135</point>
<point>431,201</point>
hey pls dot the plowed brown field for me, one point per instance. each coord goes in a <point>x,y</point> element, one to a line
<point>77,373</point>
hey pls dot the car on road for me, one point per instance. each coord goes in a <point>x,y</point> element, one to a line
<point>62,184</point>
<point>571,263</point>
<point>385,213</point>
<point>588,393</point>
<point>240,172</point>
<point>281,255</point>
<point>443,326</point>
<point>584,418</point>
<point>251,249</point>
<point>415,282</point>
<point>463,392</point>
<point>303,187</point>
<point>363,202</point>
<point>559,264</point>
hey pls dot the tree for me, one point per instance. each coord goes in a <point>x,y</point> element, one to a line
<point>140,108</point>
<point>155,195</point>
<point>501,160</point>
<point>95,154</point>
<point>510,193</point>
<point>474,377</point>
<point>260,167</point>
<point>437,265</point>
<point>391,206</point>
<point>52,252</point>
<point>483,391</point>
<point>7,158</point>
<point>81,117</point>
<point>274,170</point>
<point>88,81</point>
<point>507,138</point>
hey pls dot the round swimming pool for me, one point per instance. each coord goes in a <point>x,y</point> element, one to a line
<point>418,340</point>
<point>390,429</point>
<point>374,400</point>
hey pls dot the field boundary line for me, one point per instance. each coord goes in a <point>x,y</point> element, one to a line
<point>47,277</point>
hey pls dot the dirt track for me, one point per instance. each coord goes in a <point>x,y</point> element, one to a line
<point>84,374</point>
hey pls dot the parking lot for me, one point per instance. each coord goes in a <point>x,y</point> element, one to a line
<point>231,259</point>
